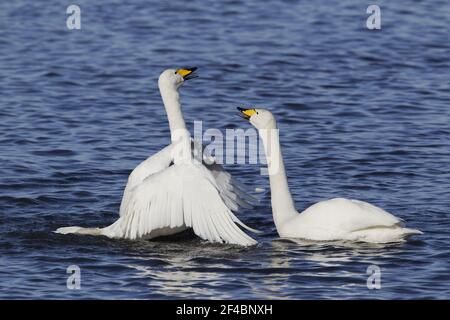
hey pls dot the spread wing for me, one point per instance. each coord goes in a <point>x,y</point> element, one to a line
<point>153,164</point>
<point>185,194</point>
<point>231,191</point>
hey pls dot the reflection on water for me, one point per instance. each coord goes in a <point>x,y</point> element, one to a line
<point>336,252</point>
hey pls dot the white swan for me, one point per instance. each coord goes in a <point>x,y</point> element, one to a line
<point>335,219</point>
<point>174,189</point>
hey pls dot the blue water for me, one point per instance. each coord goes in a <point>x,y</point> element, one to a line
<point>362,114</point>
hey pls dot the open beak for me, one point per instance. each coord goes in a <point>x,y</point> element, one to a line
<point>246,113</point>
<point>188,73</point>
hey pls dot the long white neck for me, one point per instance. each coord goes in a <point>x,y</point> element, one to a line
<point>179,135</point>
<point>283,207</point>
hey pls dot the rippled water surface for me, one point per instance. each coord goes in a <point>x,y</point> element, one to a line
<point>363,114</point>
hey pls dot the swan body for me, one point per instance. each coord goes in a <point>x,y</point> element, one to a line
<point>330,220</point>
<point>177,188</point>
<point>345,219</point>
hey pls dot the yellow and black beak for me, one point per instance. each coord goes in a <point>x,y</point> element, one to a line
<point>246,113</point>
<point>188,73</point>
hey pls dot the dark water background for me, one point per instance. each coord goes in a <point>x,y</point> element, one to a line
<point>363,114</point>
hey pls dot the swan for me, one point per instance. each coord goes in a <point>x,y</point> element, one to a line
<point>330,220</point>
<point>177,188</point>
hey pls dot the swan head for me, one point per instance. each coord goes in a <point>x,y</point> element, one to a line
<point>175,77</point>
<point>259,118</point>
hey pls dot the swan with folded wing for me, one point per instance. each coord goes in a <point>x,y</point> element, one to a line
<point>330,220</point>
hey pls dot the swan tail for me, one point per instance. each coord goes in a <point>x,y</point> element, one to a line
<point>80,230</point>
<point>382,234</point>
<point>410,232</point>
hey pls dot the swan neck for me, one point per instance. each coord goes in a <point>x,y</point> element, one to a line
<point>283,207</point>
<point>171,100</point>
<point>179,135</point>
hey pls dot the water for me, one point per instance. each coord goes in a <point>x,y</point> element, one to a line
<point>363,114</point>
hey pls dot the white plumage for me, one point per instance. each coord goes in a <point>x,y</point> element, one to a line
<point>346,219</point>
<point>176,188</point>
<point>178,197</point>
<point>335,219</point>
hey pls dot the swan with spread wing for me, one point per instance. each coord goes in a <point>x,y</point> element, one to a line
<point>178,188</point>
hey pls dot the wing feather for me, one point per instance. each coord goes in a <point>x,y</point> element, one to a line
<point>181,195</point>
<point>153,164</point>
<point>232,192</point>
<point>339,214</point>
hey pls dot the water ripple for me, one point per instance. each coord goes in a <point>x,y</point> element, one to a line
<point>362,115</point>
